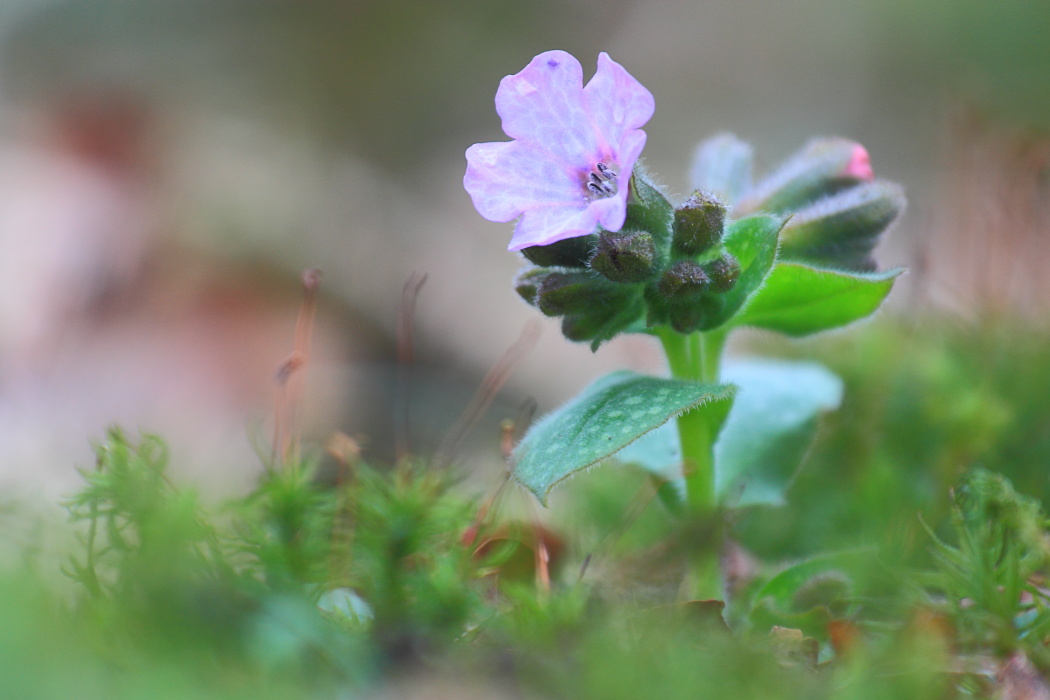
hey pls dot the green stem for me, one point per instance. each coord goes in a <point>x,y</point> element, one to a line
<point>698,460</point>
<point>676,347</point>
<point>712,344</point>
<point>697,357</point>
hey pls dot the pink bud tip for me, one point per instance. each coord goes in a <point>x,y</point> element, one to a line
<point>859,165</point>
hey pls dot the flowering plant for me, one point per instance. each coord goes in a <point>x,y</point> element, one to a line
<point>609,253</point>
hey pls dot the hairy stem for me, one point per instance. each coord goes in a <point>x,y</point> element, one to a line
<point>697,357</point>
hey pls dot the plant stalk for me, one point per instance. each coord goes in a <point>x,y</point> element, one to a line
<point>697,357</point>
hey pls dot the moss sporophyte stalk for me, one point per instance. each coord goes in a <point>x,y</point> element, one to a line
<point>609,253</point>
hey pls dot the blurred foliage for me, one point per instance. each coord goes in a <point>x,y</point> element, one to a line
<point>898,568</point>
<point>925,400</point>
<point>986,581</point>
<point>997,52</point>
<point>299,583</point>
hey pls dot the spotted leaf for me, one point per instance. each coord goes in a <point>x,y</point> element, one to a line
<point>609,414</point>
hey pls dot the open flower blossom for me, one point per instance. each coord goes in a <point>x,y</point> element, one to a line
<point>568,169</point>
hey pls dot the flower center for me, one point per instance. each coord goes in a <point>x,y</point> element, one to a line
<point>600,181</point>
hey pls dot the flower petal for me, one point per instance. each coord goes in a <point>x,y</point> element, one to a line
<point>546,225</point>
<point>616,102</point>
<point>631,146</point>
<point>611,212</point>
<point>544,105</point>
<point>506,179</point>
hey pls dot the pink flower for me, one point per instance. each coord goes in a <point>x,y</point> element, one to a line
<point>567,170</point>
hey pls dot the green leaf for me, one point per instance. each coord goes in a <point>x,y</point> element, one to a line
<point>770,428</point>
<point>658,452</point>
<point>753,241</point>
<point>802,594</point>
<point>783,587</point>
<point>609,414</point>
<point>798,300</point>
<point>648,209</point>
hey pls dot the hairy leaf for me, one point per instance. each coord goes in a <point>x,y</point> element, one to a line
<point>609,414</point>
<point>799,300</point>
<point>770,428</point>
<point>753,242</point>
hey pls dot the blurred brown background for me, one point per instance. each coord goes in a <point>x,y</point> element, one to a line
<point>168,167</point>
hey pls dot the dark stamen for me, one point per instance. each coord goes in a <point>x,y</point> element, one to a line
<point>601,181</point>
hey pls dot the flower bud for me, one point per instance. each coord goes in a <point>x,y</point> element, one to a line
<point>684,280</point>
<point>699,314</point>
<point>625,257</point>
<point>568,252</point>
<point>580,327</point>
<point>600,321</point>
<point>822,168</point>
<point>686,296</point>
<point>723,273</point>
<point>563,293</point>
<point>698,224</point>
<point>841,231</point>
<point>648,209</point>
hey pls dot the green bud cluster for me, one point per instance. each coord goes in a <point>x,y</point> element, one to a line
<point>666,266</point>
<point>670,267</point>
<point>592,308</point>
<point>689,296</point>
